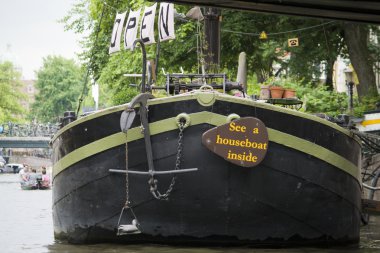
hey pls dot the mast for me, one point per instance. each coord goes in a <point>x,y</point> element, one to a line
<point>212,38</point>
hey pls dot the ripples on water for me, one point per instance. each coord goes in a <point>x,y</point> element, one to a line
<point>26,226</point>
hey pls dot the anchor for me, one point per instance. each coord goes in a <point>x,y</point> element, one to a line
<point>126,119</point>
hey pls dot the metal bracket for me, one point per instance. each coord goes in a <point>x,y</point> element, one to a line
<point>128,115</point>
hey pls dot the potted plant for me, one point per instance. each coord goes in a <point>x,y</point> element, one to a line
<point>276,91</point>
<point>264,92</point>
<point>289,93</point>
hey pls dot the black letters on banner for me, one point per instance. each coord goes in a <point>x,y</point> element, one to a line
<point>113,43</point>
<point>164,24</point>
<point>131,24</point>
<point>143,26</point>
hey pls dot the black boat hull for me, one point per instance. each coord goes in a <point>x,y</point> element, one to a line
<point>295,196</point>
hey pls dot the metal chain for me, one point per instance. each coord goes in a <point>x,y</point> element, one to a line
<point>126,175</point>
<point>154,182</point>
<point>126,204</point>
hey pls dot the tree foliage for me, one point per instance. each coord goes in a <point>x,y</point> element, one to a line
<point>107,69</point>
<point>10,94</point>
<point>357,40</point>
<point>59,82</point>
<point>318,98</point>
<point>321,42</point>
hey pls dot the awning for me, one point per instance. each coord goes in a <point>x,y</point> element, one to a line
<point>351,10</point>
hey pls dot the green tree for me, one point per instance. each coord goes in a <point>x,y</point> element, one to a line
<point>98,16</point>
<point>321,41</point>
<point>357,40</point>
<point>59,82</point>
<point>320,44</point>
<point>240,32</point>
<point>10,95</point>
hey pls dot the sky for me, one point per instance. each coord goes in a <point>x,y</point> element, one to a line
<point>30,31</point>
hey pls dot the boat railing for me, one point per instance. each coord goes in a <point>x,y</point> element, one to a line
<point>177,82</point>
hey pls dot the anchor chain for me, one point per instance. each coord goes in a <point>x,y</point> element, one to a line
<point>154,182</point>
<point>134,227</point>
<point>126,176</point>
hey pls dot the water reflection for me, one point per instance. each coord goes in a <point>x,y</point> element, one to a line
<point>25,217</point>
<point>26,226</point>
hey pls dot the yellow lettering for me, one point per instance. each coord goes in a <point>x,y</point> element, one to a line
<point>242,157</point>
<point>255,130</point>
<point>232,126</point>
<point>218,139</point>
<point>248,157</point>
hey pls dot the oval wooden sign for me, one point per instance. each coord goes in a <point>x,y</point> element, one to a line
<point>243,142</point>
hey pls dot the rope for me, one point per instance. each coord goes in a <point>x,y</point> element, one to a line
<point>278,33</point>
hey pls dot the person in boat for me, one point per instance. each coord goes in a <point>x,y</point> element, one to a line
<point>24,174</point>
<point>33,179</point>
<point>45,180</point>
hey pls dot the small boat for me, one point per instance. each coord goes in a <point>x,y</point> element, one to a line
<point>37,186</point>
<point>34,187</point>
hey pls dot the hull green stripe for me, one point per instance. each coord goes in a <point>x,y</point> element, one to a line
<point>202,118</point>
<point>218,96</point>
<point>314,150</point>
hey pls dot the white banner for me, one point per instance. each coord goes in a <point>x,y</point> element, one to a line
<point>130,31</point>
<point>116,32</point>
<point>166,22</point>
<point>147,25</point>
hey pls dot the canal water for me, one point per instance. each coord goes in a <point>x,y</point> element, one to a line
<point>26,226</point>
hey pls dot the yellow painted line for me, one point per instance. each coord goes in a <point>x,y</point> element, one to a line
<point>370,122</point>
<point>87,151</point>
<point>113,109</point>
<point>197,95</point>
<point>133,134</point>
<point>315,150</point>
<point>210,118</point>
<point>271,107</point>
